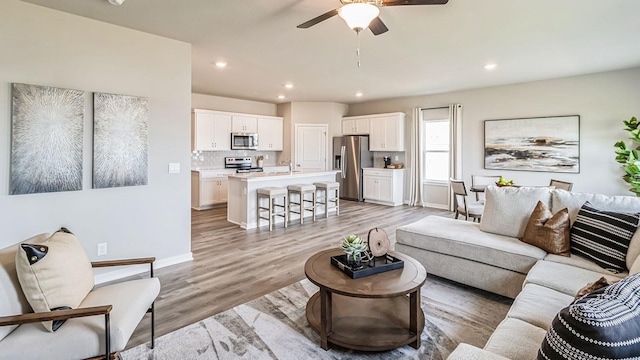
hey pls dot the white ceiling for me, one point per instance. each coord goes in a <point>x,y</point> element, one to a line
<point>429,49</point>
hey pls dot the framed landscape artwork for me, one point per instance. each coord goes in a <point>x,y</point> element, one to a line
<point>533,144</point>
<point>119,140</point>
<point>46,139</point>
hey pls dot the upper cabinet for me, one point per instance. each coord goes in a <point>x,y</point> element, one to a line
<point>244,124</point>
<point>270,133</point>
<point>210,130</point>
<point>387,132</point>
<point>355,125</point>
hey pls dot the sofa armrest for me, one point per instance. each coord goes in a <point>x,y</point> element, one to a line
<point>137,261</point>
<point>470,352</point>
<point>54,315</point>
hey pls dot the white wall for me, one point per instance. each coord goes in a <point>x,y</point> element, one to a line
<point>52,48</point>
<point>602,100</point>
<point>209,102</point>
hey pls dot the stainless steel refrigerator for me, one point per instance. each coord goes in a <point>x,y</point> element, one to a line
<point>351,154</point>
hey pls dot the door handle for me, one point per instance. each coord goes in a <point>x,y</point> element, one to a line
<point>342,163</point>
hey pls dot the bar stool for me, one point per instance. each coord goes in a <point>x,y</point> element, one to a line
<point>303,204</point>
<point>328,195</point>
<point>274,209</point>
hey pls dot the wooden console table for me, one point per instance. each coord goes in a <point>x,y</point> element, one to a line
<point>371,313</point>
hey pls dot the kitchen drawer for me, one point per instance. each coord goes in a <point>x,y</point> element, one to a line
<point>377,172</point>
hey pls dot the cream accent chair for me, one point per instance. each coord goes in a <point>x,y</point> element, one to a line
<point>99,328</point>
<point>469,209</point>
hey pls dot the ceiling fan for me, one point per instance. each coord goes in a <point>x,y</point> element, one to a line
<point>360,14</point>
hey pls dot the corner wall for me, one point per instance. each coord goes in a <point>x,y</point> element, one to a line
<point>602,100</point>
<point>52,48</point>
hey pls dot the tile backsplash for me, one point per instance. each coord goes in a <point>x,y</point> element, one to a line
<point>215,159</point>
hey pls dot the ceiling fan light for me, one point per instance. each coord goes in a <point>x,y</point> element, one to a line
<point>116,2</point>
<point>358,15</point>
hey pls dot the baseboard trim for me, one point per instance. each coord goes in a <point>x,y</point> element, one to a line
<point>125,271</point>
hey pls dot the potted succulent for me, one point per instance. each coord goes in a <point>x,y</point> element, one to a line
<point>629,157</point>
<point>355,247</point>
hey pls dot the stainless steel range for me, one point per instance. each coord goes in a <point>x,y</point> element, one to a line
<point>241,164</point>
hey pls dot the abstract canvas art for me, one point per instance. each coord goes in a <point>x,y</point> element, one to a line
<point>533,144</point>
<point>46,139</point>
<point>119,140</point>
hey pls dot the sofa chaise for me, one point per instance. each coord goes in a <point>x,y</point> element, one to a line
<point>491,256</point>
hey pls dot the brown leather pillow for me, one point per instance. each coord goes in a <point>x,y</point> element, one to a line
<point>548,231</point>
<point>591,287</point>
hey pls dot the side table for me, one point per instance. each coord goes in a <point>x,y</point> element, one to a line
<point>371,313</point>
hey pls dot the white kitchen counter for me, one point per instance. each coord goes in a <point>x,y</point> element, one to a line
<point>242,197</point>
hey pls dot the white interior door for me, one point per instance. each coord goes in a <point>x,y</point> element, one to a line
<point>311,147</point>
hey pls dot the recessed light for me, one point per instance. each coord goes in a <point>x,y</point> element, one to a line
<point>359,94</point>
<point>221,64</point>
<point>288,85</point>
<point>280,97</point>
<point>490,66</point>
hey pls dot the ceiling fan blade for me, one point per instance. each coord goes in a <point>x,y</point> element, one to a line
<point>377,27</point>
<point>318,19</point>
<point>414,2</point>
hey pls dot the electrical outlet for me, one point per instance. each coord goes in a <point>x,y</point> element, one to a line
<point>102,249</point>
<point>266,156</point>
<point>397,157</point>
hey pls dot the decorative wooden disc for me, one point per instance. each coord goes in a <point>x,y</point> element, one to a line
<point>378,242</point>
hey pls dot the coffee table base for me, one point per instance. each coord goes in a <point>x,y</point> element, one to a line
<point>366,324</point>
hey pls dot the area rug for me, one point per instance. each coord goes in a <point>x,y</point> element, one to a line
<point>274,326</point>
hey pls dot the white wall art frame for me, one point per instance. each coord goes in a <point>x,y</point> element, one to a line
<point>46,139</point>
<point>119,140</point>
<point>533,144</point>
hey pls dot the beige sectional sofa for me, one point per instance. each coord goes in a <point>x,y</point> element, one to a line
<point>491,257</point>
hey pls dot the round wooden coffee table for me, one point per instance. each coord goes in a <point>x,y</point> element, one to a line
<point>371,313</point>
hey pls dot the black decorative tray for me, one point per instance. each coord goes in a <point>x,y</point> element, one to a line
<point>377,265</point>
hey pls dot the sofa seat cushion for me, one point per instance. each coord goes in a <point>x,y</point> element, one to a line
<point>564,278</point>
<point>538,305</point>
<point>465,239</point>
<point>12,299</point>
<point>583,263</point>
<point>469,352</point>
<point>516,339</point>
<point>82,338</point>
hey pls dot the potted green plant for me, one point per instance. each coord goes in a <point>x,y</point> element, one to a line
<point>628,157</point>
<point>354,246</point>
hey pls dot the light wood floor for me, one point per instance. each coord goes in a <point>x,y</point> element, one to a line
<point>232,266</point>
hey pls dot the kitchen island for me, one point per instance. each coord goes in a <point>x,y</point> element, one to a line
<point>242,204</point>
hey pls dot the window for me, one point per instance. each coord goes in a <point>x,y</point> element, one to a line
<point>436,150</point>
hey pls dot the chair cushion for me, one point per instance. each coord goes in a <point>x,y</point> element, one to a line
<point>604,324</point>
<point>12,300</point>
<point>82,338</point>
<point>54,274</point>
<point>547,231</point>
<point>603,236</point>
<point>507,209</point>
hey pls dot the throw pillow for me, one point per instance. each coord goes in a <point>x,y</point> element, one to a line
<point>54,274</point>
<point>592,286</point>
<point>507,209</point>
<point>547,231</point>
<point>604,324</point>
<point>603,236</point>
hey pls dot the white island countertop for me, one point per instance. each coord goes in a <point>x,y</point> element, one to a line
<point>242,203</point>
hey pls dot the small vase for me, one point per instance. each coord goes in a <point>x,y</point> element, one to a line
<point>354,261</point>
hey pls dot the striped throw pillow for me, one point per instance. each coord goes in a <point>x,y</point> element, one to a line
<point>604,324</point>
<point>603,236</point>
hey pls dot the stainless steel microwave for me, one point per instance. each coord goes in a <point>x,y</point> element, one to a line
<point>244,141</point>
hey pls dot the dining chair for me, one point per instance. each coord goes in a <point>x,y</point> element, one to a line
<point>471,210</point>
<point>483,181</point>
<point>559,184</point>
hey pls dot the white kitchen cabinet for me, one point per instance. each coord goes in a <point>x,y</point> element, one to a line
<point>210,130</point>
<point>355,125</point>
<point>383,186</point>
<point>208,190</point>
<point>270,133</point>
<point>387,132</point>
<point>244,124</point>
